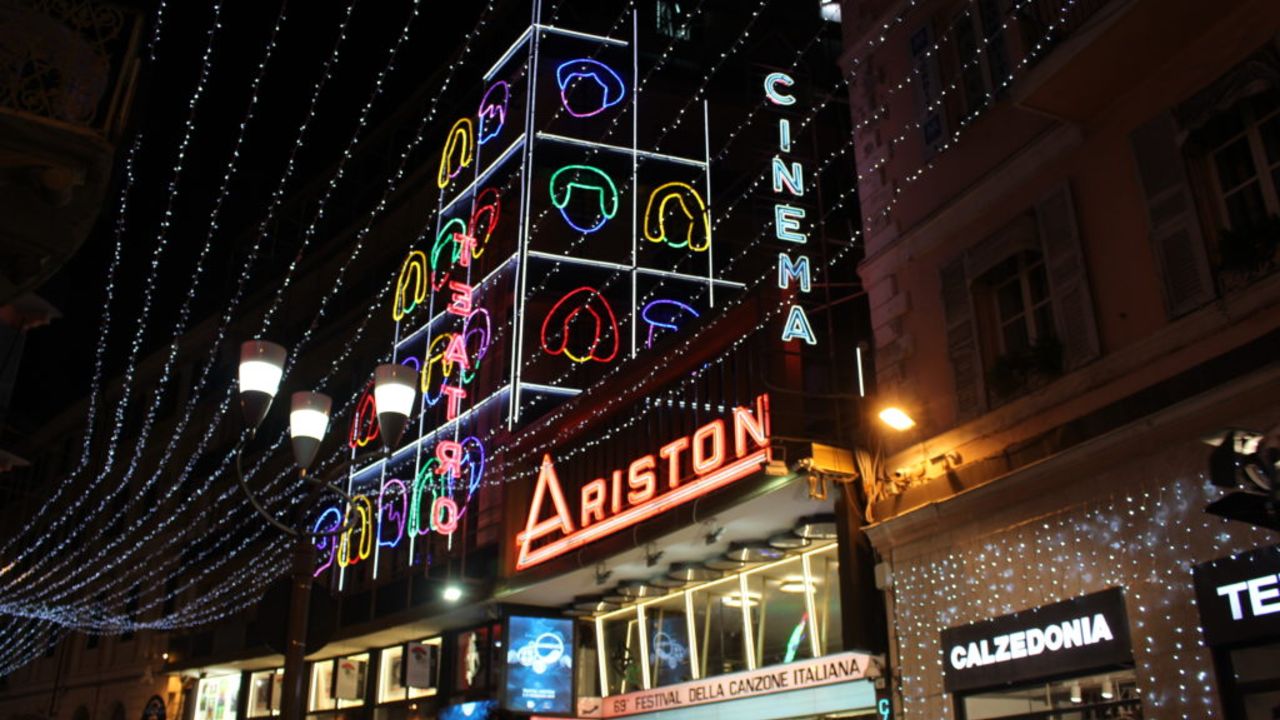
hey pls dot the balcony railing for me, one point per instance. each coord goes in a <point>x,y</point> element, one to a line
<point>68,61</point>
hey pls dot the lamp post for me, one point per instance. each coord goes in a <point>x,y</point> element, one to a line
<point>261,369</point>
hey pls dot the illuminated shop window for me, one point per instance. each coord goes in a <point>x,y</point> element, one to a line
<point>391,673</point>
<point>824,566</point>
<point>667,632</point>
<point>1110,695</point>
<point>719,628</point>
<point>672,19</point>
<point>338,683</point>
<point>771,614</point>
<point>265,691</point>
<point>216,698</point>
<point>621,656</point>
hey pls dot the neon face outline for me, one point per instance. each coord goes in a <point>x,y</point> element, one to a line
<point>364,421</point>
<point>460,141</point>
<point>493,111</point>
<point>612,89</point>
<point>560,194</point>
<point>411,285</point>
<point>488,211</point>
<point>327,542</point>
<point>484,333</point>
<point>602,333</point>
<point>655,222</point>
<point>669,324</point>
<point>390,512</point>
<point>364,508</point>
<point>446,239</point>
<point>434,357</point>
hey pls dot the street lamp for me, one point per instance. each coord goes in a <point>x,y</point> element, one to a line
<point>261,370</point>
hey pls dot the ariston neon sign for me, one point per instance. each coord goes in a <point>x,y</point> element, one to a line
<point>714,455</point>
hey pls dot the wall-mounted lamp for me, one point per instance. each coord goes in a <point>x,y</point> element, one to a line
<point>897,419</point>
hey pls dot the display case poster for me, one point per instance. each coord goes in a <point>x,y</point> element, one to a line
<point>348,682</point>
<point>540,665</point>
<point>419,666</point>
<point>473,650</point>
<point>670,651</point>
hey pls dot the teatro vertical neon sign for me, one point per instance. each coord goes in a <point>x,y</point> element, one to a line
<point>788,219</point>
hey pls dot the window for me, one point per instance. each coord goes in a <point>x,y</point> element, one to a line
<point>1110,695</point>
<point>216,698</point>
<point>1243,146</point>
<point>979,55</point>
<point>265,691</point>
<point>1018,291</point>
<point>391,673</point>
<point>672,19</point>
<point>338,683</point>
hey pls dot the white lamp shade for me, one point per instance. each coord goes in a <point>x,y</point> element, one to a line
<point>261,367</point>
<point>309,416</point>
<point>395,387</point>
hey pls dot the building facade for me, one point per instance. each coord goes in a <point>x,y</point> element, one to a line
<point>1069,211</point>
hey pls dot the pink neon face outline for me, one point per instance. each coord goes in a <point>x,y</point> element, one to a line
<point>489,110</point>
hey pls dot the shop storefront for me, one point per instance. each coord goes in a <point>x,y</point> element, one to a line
<point>1069,659</point>
<point>1239,601</point>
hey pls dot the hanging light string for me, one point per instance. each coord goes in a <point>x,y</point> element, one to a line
<point>1145,537</point>
<point>161,243</point>
<point>64,572</point>
<point>115,561</point>
<point>104,333</point>
<point>277,197</point>
<point>404,157</point>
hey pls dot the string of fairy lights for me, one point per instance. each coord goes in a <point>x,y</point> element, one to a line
<point>158,530</point>
<point>68,591</point>
<point>1145,537</point>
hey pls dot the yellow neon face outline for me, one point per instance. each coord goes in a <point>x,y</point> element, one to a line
<point>412,271</point>
<point>461,135</point>
<point>676,191</point>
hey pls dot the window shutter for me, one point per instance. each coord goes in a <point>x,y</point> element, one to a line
<point>1068,280</point>
<point>1172,222</point>
<point>962,340</point>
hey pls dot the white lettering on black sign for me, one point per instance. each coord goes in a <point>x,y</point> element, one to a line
<point>1078,632</point>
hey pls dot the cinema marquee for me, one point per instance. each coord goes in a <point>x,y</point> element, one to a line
<point>713,456</point>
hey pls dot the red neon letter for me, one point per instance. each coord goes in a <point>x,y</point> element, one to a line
<point>460,298</point>
<point>457,352</point>
<point>449,453</point>
<point>466,245</point>
<point>615,498</point>
<point>641,480</point>
<point>456,396</point>
<point>444,515</point>
<point>671,451</point>
<point>756,426</point>
<point>702,464</point>
<point>562,521</point>
<point>593,501</point>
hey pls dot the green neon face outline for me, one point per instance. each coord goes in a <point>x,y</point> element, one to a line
<point>561,199</point>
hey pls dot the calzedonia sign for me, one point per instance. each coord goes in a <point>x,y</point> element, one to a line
<point>1239,597</point>
<point>684,468</point>
<point>1085,633</point>
<point>828,670</point>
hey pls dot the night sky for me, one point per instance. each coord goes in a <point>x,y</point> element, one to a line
<point>65,349</point>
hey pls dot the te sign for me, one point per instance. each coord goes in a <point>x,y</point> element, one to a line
<point>713,456</point>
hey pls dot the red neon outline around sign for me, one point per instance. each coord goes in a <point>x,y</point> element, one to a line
<point>735,470</point>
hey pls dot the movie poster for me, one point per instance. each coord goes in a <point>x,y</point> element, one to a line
<point>420,662</point>
<point>540,665</point>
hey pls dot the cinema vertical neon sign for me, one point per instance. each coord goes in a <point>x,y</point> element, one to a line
<point>713,456</point>
<point>788,220</point>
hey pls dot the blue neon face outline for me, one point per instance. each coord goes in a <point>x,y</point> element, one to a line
<point>611,85</point>
<point>392,513</point>
<point>644,315</point>
<point>560,195</point>
<point>492,115</point>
